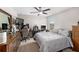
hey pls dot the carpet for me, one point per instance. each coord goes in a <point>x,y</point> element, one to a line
<point>32,46</point>
<point>28,46</point>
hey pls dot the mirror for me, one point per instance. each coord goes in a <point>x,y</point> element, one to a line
<point>5,20</point>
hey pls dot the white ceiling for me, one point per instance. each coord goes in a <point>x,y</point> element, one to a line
<point>27,10</point>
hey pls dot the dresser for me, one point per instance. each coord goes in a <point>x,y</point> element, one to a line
<point>12,41</point>
<point>12,44</point>
<point>75,37</point>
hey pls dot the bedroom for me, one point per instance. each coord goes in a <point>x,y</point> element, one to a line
<point>52,20</point>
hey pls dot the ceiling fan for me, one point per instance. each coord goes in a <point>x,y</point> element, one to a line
<point>40,10</point>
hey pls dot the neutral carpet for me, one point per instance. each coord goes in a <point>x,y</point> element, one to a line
<point>32,46</point>
<point>28,46</point>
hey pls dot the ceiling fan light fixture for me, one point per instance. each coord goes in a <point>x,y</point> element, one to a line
<point>40,13</point>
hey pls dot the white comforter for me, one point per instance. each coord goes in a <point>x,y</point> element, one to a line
<point>51,42</point>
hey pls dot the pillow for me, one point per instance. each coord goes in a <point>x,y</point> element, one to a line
<point>55,31</point>
<point>63,32</point>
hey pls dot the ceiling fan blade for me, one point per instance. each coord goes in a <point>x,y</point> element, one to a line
<point>44,13</point>
<point>33,12</point>
<point>36,8</point>
<point>46,9</point>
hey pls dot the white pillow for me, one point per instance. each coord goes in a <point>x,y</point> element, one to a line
<point>63,32</point>
<point>55,30</point>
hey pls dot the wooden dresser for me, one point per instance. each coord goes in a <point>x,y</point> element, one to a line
<point>12,44</point>
<point>75,37</point>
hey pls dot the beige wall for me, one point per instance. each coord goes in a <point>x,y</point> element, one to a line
<point>34,20</point>
<point>65,19</point>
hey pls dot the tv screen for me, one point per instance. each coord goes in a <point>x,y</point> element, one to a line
<point>4,26</point>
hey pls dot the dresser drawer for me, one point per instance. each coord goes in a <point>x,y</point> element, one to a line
<point>75,28</point>
<point>2,48</point>
<point>76,46</point>
<point>76,35</point>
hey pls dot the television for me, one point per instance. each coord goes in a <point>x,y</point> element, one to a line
<point>4,26</point>
<point>43,27</point>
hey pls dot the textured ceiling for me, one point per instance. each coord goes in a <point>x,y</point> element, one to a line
<point>28,10</point>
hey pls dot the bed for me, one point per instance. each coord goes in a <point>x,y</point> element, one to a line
<point>52,42</point>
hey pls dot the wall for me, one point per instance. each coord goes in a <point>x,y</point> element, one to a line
<point>65,19</point>
<point>34,20</point>
<point>4,18</point>
<point>10,11</point>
